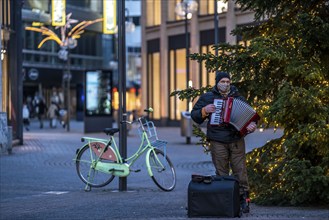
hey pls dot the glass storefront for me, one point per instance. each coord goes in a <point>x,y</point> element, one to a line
<point>206,78</point>
<point>176,78</point>
<point>168,60</point>
<point>153,84</point>
<point>153,9</point>
<point>11,66</point>
<point>177,82</point>
<point>4,83</point>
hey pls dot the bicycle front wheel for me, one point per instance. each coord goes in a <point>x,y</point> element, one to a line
<point>162,170</point>
<point>85,165</point>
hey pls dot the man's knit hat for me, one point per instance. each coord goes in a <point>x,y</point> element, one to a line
<point>221,75</point>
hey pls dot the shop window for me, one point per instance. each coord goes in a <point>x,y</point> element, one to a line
<point>207,78</point>
<point>171,5</point>
<point>177,82</point>
<point>207,7</point>
<point>153,11</point>
<point>153,84</point>
<point>80,3</point>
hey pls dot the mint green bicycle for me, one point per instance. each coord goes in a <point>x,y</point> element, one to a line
<point>99,160</point>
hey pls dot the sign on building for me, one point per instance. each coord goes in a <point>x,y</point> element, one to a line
<point>110,16</point>
<point>58,13</point>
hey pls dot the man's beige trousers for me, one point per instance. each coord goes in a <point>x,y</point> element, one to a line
<point>233,155</point>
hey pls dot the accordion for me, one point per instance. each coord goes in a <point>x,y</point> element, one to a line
<point>235,112</point>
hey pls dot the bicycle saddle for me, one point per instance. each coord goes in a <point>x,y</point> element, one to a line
<point>111,131</point>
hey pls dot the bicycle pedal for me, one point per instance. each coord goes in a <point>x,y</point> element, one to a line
<point>136,171</point>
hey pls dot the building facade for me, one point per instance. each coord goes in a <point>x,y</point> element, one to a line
<point>164,50</point>
<point>94,50</point>
<point>28,71</point>
<point>45,74</point>
<point>11,67</point>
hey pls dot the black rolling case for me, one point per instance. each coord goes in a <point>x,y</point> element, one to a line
<point>213,196</point>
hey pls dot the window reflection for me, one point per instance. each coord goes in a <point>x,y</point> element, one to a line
<point>153,11</point>
<point>177,81</point>
<point>153,87</point>
<point>207,78</point>
<point>207,7</point>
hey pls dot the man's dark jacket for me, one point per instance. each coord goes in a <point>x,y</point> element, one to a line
<point>224,133</point>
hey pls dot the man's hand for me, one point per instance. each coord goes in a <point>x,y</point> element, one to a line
<point>210,108</point>
<point>251,127</point>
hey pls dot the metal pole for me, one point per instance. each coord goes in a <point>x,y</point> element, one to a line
<point>122,87</point>
<point>68,90</point>
<point>18,5</point>
<point>188,139</point>
<point>187,55</point>
<point>0,74</point>
<point>216,26</point>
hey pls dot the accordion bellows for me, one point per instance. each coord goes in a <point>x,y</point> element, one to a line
<point>235,112</point>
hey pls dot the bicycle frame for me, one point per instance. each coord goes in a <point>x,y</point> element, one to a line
<point>121,166</point>
<point>98,161</point>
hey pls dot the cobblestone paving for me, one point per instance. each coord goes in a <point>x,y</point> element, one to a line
<point>39,181</point>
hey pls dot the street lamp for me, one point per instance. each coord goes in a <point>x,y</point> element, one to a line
<point>124,26</point>
<point>122,87</point>
<point>64,54</point>
<point>66,41</point>
<point>185,9</point>
<point>129,24</point>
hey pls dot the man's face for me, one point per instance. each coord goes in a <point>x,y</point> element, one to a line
<point>224,85</point>
<point>225,81</point>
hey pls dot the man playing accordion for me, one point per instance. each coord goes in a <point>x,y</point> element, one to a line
<point>227,145</point>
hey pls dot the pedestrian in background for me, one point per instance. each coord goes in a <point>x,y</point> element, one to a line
<point>52,114</point>
<point>63,117</point>
<point>42,108</point>
<point>26,117</point>
<point>227,147</point>
<point>55,97</point>
<point>30,105</point>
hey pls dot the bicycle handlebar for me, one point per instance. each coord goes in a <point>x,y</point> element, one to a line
<point>132,122</point>
<point>148,110</point>
<point>128,122</point>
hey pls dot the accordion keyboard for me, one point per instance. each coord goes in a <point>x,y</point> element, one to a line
<point>216,117</point>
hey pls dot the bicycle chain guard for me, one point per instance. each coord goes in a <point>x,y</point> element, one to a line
<point>98,148</point>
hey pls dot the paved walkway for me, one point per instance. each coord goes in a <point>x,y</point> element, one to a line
<point>39,181</point>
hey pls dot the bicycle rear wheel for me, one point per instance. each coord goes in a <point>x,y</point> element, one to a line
<point>85,165</point>
<point>162,170</point>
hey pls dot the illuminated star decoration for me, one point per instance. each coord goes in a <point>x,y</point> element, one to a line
<point>69,39</point>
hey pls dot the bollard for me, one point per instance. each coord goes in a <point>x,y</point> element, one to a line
<point>186,126</point>
<point>9,139</point>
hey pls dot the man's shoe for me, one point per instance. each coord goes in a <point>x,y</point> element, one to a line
<point>245,206</point>
<point>244,202</point>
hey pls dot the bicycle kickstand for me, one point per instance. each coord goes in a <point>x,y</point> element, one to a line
<point>87,188</point>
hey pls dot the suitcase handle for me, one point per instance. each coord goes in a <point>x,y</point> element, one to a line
<point>208,178</point>
<point>221,178</point>
<point>202,178</point>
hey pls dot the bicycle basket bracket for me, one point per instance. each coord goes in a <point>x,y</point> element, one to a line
<point>151,132</point>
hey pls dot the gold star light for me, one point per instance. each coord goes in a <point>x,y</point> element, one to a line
<point>67,39</point>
